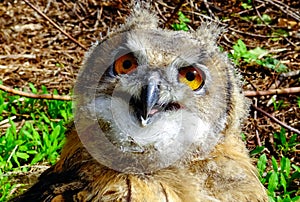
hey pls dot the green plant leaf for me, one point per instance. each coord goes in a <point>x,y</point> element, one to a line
<point>46,140</point>
<point>13,110</point>
<point>257,150</point>
<point>23,148</point>
<point>246,6</point>
<point>283,182</point>
<point>285,165</point>
<point>281,136</point>
<point>15,158</point>
<point>33,89</point>
<point>273,182</point>
<point>266,18</point>
<point>297,168</point>
<point>262,164</point>
<point>183,18</point>
<point>281,33</point>
<point>31,151</point>
<point>258,52</point>
<point>44,89</point>
<point>22,155</point>
<point>182,22</point>
<point>274,64</point>
<point>241,47</point>
<point>296,199</point>
<point>37,158</point>
<point>293,140</point>
<point>274,164</point>
<point>46,119</point>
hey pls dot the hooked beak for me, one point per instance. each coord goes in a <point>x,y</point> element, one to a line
<point>149,98</point>
<point>146,105</point>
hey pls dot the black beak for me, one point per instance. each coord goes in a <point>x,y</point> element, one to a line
<point>149,98</point>
<point>146,105</point>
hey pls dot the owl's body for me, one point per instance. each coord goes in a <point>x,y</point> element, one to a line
<point>174,95</point>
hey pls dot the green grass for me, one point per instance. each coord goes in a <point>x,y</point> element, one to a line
<point>276,172</point>
<point>281,179</point>
<point>278,104</point>
<point>35,134</point>
<point>182,25</point>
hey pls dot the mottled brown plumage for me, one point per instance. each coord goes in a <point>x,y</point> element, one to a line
<point>215,167</point>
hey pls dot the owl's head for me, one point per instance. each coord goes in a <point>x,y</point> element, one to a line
<point>155,96</point>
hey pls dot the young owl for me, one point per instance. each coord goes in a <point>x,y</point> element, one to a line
<point>158,118</point>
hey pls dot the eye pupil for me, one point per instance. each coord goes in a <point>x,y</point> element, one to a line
<point>190,76</point>
<point>127,64</point>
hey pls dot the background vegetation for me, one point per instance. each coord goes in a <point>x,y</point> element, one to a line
<point>262,39</point>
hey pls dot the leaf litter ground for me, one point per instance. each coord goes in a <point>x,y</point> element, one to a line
<point>34,51</point>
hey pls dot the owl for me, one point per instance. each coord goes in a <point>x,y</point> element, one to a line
<point>158,117</point>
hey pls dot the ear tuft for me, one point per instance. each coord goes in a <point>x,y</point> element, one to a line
<point>209,32</point>
<point>141,17</point>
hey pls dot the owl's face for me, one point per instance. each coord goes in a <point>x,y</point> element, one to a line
<point>157,92</point>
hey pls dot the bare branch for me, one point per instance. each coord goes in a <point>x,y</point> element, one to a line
<point>276,120</point>
<point>285,9</point>
<point>272,92</point>
<point>59,97</point>
<point>31,95</point>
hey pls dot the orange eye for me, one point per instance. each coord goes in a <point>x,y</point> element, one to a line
<point>125,64</point>
<point>192,77</point>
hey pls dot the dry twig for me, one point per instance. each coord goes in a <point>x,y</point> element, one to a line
<point>55,25</point>
<point>285,9</point>
<point>210,12</point>
<point>66,97</point>
<point>31,95</point>
<point>276,120</point>
<point>272,92</point>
